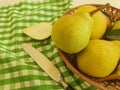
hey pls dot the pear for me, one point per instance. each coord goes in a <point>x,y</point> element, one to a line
<point>117,43</point>
<point>99,58</point>
<point>113,76</point>
<point>116,25</point>
<point>71,33</point>
<point>101,22</point>
<point>114,32</point>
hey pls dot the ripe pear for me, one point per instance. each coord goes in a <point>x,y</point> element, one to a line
<point>99,58</point>
<point>116,25</point>
<point>100,21</point>
<point>71,33</point>
<point>113,76</point>
<point>117,43</point>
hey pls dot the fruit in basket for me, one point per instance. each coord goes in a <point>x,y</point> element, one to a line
<point>117,43</point>
<point>100,21</point>
<point>116,25</point>
<point>114,32</point>
<point>99,58</point>
<point>71,33</point>
<point>113,76</point>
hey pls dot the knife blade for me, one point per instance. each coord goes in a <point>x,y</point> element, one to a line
<point>46,65</point>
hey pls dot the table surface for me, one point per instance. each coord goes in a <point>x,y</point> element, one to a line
<point>115,3</point>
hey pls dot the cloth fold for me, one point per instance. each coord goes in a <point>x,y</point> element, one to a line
<point>17,69</point>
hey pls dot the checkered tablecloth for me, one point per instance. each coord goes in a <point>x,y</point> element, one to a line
<point>18,71</point>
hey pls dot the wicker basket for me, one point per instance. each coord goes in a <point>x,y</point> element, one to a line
<point>70,60</point>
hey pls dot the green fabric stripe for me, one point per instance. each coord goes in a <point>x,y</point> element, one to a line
<point>90,88</point>
<point>42,87</point>
<point>25,78</point>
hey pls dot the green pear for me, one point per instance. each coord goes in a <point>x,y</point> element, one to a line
<point>71,33</point>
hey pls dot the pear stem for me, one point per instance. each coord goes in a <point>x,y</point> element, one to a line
<point>98,9</point>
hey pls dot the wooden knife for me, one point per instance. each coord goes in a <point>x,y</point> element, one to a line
<point>46,65</point>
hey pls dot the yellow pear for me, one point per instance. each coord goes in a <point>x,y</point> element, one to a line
<point>71,33</point>
<point>116,25</point>
<point>117,43</point>
<point>100,21</point>
<point>99,58</point>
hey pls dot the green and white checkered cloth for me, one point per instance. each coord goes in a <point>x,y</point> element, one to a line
<point>18,71</point>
